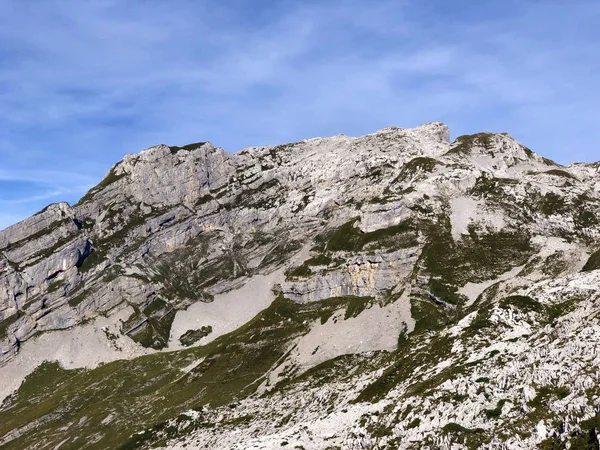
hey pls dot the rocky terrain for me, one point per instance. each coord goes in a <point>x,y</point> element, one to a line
<point>395,290</point>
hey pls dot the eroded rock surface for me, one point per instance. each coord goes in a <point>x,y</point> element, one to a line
<point>406,290</point>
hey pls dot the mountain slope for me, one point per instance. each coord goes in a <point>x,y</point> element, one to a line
<point>399,291</point>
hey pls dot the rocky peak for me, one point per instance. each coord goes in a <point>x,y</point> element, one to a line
<point>497,152</point>
<point>35,224</point>
<point>412,276</point>
<point>436,131</point>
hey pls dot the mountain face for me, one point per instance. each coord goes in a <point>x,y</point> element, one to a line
<point>395,290</point>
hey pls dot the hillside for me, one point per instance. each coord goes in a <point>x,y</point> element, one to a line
<point>395,290</point>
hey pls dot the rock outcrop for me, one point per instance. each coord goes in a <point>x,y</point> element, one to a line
<point>429,290</point>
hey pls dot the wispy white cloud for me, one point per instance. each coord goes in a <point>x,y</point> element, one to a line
<point>81,86</point>
<point>49,177</point>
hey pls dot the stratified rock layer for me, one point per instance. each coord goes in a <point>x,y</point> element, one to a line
<point>410,291</point>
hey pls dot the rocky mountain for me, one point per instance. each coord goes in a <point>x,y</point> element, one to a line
<point>395,290</point>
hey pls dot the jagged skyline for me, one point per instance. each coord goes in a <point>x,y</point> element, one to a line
<point>84,86</point>
<point>394,290</point>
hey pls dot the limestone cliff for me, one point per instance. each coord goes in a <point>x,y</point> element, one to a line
<point>395,290</point>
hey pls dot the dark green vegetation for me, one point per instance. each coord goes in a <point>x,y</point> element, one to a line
<point>555,264</point>
<point>414,166</point>
<point>332,370</point>
<point>593,263</point>
<point>560,173</point>
<point>49,251</point>
<point>305,270</point>
<point>544,314</point>
<point>350,239</point>
<point>521,302</point>
<point>55,286</point>
<point>428,315</point>
<point>585,212</point>
<point>495,412</point>
<point>174,149</point>
<point>463,145</point>
<point>426,350</point>
<point>151,327</point>
<point>102,408</point>
<point>92,260</point>
<point>281,251</point>
<point>500,192</point>
<point>6,323</point>
<point>183,275</point>
<point>420,166</point>
<point>41,233</point>
<point>354,305</point>
<point>491,187</point>
<point>121,223</point>
<point>149,390</point>
<point>475,257</point>
<point>278,152</point>
<point>266,195</point>
<point>480,255</point>
<point>404,362</point>
<point>583,439</point>
<point>192,336</point>
<point>471,438</point>
<point>551,203</point>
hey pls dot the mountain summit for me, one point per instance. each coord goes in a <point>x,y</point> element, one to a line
<point>395,290</point>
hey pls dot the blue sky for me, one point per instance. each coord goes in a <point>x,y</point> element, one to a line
<point>84,83</point>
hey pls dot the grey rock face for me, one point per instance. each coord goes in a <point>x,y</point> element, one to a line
<point>445,292</point>
<point>362,276</point>
<point>182,224</point>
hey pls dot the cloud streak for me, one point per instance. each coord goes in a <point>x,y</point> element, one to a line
<point>81,86</point>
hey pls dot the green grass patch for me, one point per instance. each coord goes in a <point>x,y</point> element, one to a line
<point>174,149</point>
<point>144,392</point>
<point>156,306</point>
<point>264,196</point>
<point>487,186</point>
<point>91,260</point>
<point>148,330</point>
<point>74,301</point>
<point>463,145</point>
<point>550,203</point>
<point>495,412</point>
<point>302,271</point>
<point>305,270</point>
<point>355,305</point>
<point>555,264</point>
<point>414,166</point>
<point>470,438</point>
<point>476,257</point>
<point>405,361</point>
<point>522,303</point>
<point>545,394</point>
<point>414,423</point>
<point>55,286</point>
<point>281,252</point>
<point>428,316</point>
<point>560,173</point>
<point>349,238</point>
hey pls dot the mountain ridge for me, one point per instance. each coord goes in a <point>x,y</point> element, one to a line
<point>396,239</point>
